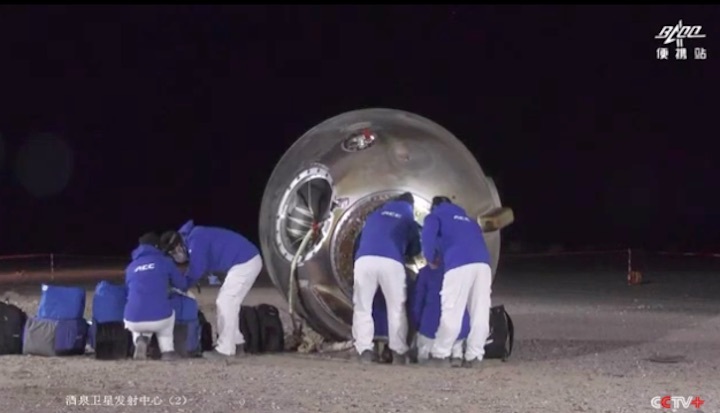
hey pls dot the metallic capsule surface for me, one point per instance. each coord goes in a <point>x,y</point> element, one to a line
<point>337,173</point>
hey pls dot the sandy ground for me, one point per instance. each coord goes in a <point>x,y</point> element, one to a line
<point>583,340</point>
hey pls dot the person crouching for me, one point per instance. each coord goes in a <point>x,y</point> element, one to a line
<point>389,235</point>
<point>426,315</point>
<point>213,250</point>
<point>148,310</point>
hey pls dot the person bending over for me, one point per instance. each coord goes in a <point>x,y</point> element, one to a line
<point>228,255</point>
<point>457,240</point>
<point>426,315</point>
<point>148,310</point>
<point>388,235</point>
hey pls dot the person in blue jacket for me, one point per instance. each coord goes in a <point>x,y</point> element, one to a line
<point>389,235</point>
<point>148,310</point>
<point>451,237</point>
<point>229,255</point>
<point>426,314</point>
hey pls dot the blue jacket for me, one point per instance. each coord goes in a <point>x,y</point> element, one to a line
<point>459,240</point>
<point>148,279</point>
<point>390,232</point>
<point>214,250</point>
<point>426,304</point>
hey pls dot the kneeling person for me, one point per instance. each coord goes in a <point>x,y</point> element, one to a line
<point>426,315</point>
<point>148,309</point>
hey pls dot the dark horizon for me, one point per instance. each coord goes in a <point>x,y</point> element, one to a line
<point>177,113</point>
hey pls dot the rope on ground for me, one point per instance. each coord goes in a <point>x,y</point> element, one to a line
<point>297,326</point>
<point>309,341</point>
<point>303,338</point>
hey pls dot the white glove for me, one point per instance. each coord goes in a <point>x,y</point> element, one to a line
<point>188,294</point>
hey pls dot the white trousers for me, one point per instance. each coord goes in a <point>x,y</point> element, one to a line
<point>371,272</point>
<point>424,345</point>
<point>163,330</point>
<point>240,279</point>
<point>468,287</point>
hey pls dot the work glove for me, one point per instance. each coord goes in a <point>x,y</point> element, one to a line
<point>188,294</point>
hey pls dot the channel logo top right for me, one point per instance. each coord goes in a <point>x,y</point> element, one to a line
<point>678,34</point>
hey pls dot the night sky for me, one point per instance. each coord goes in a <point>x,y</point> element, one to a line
<point>117,120</point>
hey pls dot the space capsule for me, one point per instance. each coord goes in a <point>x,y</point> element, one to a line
<point>332,177</point>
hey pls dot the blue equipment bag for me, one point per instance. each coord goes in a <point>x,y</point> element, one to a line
<point>109,302</point>
<point>61,303</point>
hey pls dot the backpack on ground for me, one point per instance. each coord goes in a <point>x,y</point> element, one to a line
<point>250,329</point>
<point>107,334</point>
<point>499,344</point>
<point>272,334</point>
<point>61,303</point>
<point>111,340</point>
<point>60,328</point>
<point>108,304</point>
<point>45,337</point>
<point>12,324</point>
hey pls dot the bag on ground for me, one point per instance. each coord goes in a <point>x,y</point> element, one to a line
<point>45,337</point>
<point>108,303</point>
<point>206,335</point>
<point>12,324</point>
<point>111,341</point>
<point>107,334</point>
<point>250,329</point>
<point>61,303</point>
<point>272,334</point>
<point>499,344</point>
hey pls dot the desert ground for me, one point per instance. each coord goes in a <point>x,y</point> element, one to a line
<point>585,342</point>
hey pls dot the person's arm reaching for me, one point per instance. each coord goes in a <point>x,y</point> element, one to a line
<point>414,247</point>
<point>198,262</point>
<point>431,227</point>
